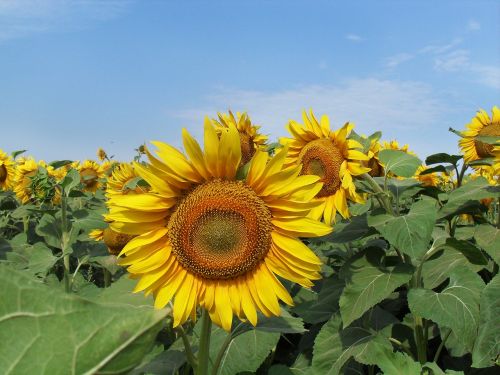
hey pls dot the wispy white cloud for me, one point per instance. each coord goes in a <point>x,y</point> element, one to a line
<point>395,60</point>
<point>354,38</point>
<point>440,48</point>
<point>21,18</point>
<point>453,61</point>
<point>473,25</point>
<point>372,104</point>
<point>488,75</point>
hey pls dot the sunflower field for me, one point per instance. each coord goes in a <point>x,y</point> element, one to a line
<point>322,252</point>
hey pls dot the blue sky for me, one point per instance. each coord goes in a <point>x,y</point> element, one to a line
<point>78,75</point>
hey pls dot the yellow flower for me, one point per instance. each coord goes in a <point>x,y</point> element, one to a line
<point>429,179</point>
<point>25,170</point>
<point>114,241</point>
<point>481,125</point>
<point>90,173</point>
<point>331,156</point>
<point>205,238</point>
<point>376,168</point>
<point>7,171</point>
<point>101,154</point>
<point>107,167</point>
<point>250,138</point>
<point>122,174</point>
<point>394,145</point>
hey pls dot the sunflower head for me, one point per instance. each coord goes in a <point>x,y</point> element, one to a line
<point>428,179</point>
<point>26,169</point>
<point>101,154</point>
<point>331,156</point>
<point>90,173</point>
<point>122,175</point>
<point>482,125</point>
<point>250,138</point>
<point>7,171</point>
<point>204,238</point>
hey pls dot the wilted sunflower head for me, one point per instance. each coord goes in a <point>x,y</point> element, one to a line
<point>473,148</point>
<point>205,238</point>
<point>332,157</point>
<point>250,138</point>
<point>90,173</point>
<point>7,171</point>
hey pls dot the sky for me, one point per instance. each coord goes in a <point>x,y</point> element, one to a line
<point>82,74</point>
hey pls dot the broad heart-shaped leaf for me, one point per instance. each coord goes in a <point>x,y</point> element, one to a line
<point>467,196</point>
<point>409,233</point>
<point>399,162</point>
<point>51,332</point>
<point>470,251</point>
<point>488,238</point>
<point>334,346</point>
<point>356,229</point>
<point>245,352</point>
<point>442,158</point>
<point>368,282</point>
<point>439,267</point>
<point>487,345</point>
<point>392,363</point>
<point>456,307</point>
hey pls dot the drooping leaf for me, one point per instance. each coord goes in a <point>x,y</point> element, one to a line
<point>410,233</point>
<point>368,282</point>
<point>456,307</point>
<point>399,162</point>
<point>488,237</point>
<point>60,163</point>
<point>442,158</point>
<point>487,346</point>
<point>58,333</point>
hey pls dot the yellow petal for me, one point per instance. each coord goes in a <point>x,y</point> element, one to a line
<point>195,153</point>
<point>295,248</point>
<point>143,239</point>
<point>302,227</point>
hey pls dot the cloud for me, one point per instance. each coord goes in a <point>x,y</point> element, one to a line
<point>394,107</point>
<point>452,62</point>
<point>394,61</point>
<point>473,25</point>
<point>488,75</point>
<point>21,18</point>
<point>354,38</point>
<point>440,48</point>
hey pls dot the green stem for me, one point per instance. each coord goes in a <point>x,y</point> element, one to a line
<point>386,203</point>
<point>204,349</point>
<point>64,242</point>
<point>461,175</point>
<point>498,214</point>
<point>187,348</point>
<point>441,346</point>
<point>418,324</point>
<point>26,224</point>
<point>107,277</point>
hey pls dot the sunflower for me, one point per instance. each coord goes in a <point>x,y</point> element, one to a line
<point>250,138</point>
<point>205,238</point>
<point>25,170</point>
<point>394,145</point>
<point>122,174</point>
<point>101,154</point>
<point>481,125</point>
<point>331,156</point>
<point>90,173</point>
<point>114,241</point>
<point>428,179</point>
<point>7,171</point>
<point>376,168</point>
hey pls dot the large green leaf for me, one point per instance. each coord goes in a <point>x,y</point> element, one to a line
<point>410,233</point>
<point>399,162</point>
<point>58,333</point>
<point>334,346</point>
<point>471,252</point>
<point>368,282</point>
<point>466,197</point>
<point>456,307</point>
<point>488,237</point>
<point>442,158</point>
<point>487,346</point>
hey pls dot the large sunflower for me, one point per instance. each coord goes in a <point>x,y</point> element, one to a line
<point>331,156</point>
<point>205,238</point>
<point>250,138</point>
<point>474,149</point>
<point>7,171</point>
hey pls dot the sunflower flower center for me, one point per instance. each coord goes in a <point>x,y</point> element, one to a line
<point>485,150</point>
<point>221,230</point>
<point>3,173</point>
<point>247,148</point>
<point>322,158</point>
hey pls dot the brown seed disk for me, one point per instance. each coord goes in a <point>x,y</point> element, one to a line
<point>322,158</point>
<point>221,230</point>
<point>3,173</point>
<point>115,241</point>
<point>485,150</point>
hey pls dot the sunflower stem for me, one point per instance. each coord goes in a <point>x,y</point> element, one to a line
<point>187,347</point>
<point>379,192</point>
<point>64,242</point>
<point>498,214</point>
<point>204,349</point>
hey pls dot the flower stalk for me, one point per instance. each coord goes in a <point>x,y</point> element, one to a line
<point>204,349</point>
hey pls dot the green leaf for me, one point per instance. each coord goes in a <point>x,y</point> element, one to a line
<point>488,237</point>
<point>41,260</point>
<point>471,252</point>
<point>399,162</point>
<point>282,324</point>
<point>58,333</point>
<point>88,220</point>
<point>334,346</point>
<point>356,229</point>
<point>50,228</point>
<point>467,196</point>
<point>393,363</point>
<point>70,181</point>
<point>167,362</point>
<point>442,158</point>
<point>456,307</point>
<point>321,308</point>
<point>60,163</point>
<point>246,352</point>
<point>368,282</point>
<point>487,346</point>
<point>16,153</point>
<point>410,233</point>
